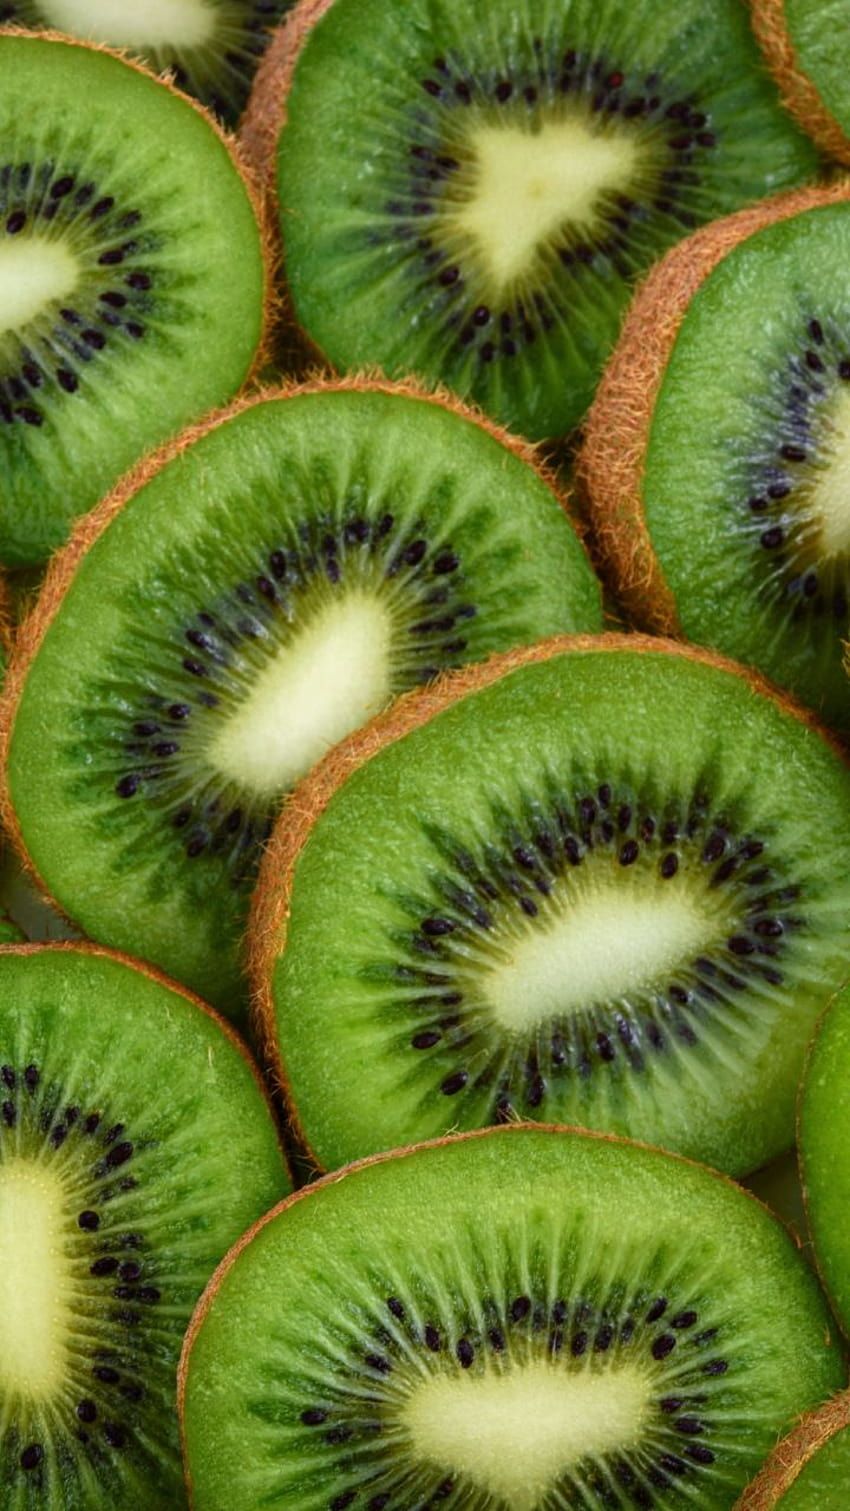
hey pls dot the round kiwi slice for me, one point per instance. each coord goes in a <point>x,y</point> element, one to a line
<point>242,602</point>
<point>810,1469</point>
<point>132,278</point>
<point>716,451</point>
<point>532,1318</point>
<point>823,1144</point>
<point>210,48</point>
<point>136,1144</point>
<point>603,881</point>
<point>471,202</point>
<point>805,44</point>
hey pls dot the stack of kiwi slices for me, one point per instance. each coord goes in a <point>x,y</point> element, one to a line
<point>327,696</point>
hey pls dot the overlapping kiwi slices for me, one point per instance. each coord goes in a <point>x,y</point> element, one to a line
<point>248,600</point>
<point>810,1469</point>
<point>135,1145</point>
<point>471,199</point>
<point>824,1151</point>
<point>805,44</point>
<point>131,278</point>
<point>528,1319</point>
<point>602,881</point>
<point>717,452</point>
<point>210,47</point>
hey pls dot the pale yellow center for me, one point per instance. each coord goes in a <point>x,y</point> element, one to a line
<point>134,23</point>
<point>33,273</point>
<point>829,499</point>
<point>33,1311</point>
<point>606,940</point>
<point>331,677</point>
<point>528,184</point>
<point>514,1434</point>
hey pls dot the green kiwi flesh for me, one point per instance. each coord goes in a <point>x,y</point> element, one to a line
<point>135,1146</point>
<point>269,588</point>
<point>824,1138</point>
<point>210,47</point>
<point>817,31</point>
<point>131,279</point>
<point>525,1319</point>
<point>745,486</point>
<point>473,202</point>
<point>611,888</point>
<point>823,1480</point>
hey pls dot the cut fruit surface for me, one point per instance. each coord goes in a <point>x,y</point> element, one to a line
<point>810,1469</point>
<point>131,279</point>
<point>483,220</point>
<point>247,603</point>
<point>805,44</point>
<point>625,909</point>
<point>527,1319</point>
<point>823,1140</point>
<point>136,1144</point>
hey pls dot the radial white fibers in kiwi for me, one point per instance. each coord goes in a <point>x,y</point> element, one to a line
<point>600,881</point>
<point>245,604</point>
<point>132,279</point>
<point>530,1318</point>
<point>136,1144</point>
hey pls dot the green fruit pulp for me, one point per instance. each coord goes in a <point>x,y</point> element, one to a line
<point>817,30</point>
<point>824,1132</point>
<point>822,1482</point>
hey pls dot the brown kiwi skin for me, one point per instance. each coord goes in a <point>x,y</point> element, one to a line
<point>504,1130</point>
<point>794,1451</point>
<point>799,95</point>
<point>611,461</point>
<point>270,907</point>
<point>89,527</point>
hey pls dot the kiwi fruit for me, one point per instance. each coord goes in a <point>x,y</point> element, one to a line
<point>471,199</point>
<point>823,1143</point>
<point>136,1144</point>
<point>210,48</point>
<point>240,603</point>
<point>604,880</point>
<point>810,1469</point>
<point>525,1318</point>
<point>805,45</point>
<point>132,278</point>
<point>715,454</point>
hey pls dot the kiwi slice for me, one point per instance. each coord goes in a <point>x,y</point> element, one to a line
<point>210,48</point>
<point>805,44</point>
<point>132,278</point>
<point>532,1318</point>
<point>471,200</point>
<point>248,599</point>
<point>716,452</point>
<point>810,1469</point>
<point>136,1144</point>
<point>603,881</point>
<point>823,1134</point>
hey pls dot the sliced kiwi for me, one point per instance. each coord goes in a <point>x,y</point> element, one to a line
<point>135,1145</point>
<point>526,1319</point>
<point>717,452</point>
<point>248,600</point>
<point>210,48</point>
<point>824,1150</point>
<point>471,200</point>
<point>805,44</point>
<point>131,278</point>
<point>602,881</point>
<point>810,1469</point>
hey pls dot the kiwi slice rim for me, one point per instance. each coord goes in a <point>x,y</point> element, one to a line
<point>268,918</point>
<point>610,464</point>
<point>802,1089</point>
<point>266,112</point>
<point>793,1452</point>
<point>799,94</point>
<point>26,642</point>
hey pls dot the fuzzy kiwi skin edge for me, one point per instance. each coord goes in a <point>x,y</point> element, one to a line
<point>505,1131</point>
<point>610,465</point>
<point>267,926</point>
<point>799,95</point>
<point>790,1455</point>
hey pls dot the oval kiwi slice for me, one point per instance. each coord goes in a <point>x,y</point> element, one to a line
<point>805,44</point>
<point>136,1144</point>
<point>716,452</point>
<point>247,600</point>
<point>824,1150</point>
<point>810,1469</point>
<point>479,214</point>
<point>131,278</point>
<point>528,1319</point>
<point>602,881</point>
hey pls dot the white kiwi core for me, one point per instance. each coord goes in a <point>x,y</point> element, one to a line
<point>829,499</point>
<point>34,273</point>
<point>514,1434</point>
<point>123,23</point>
<point>33,1309</point>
